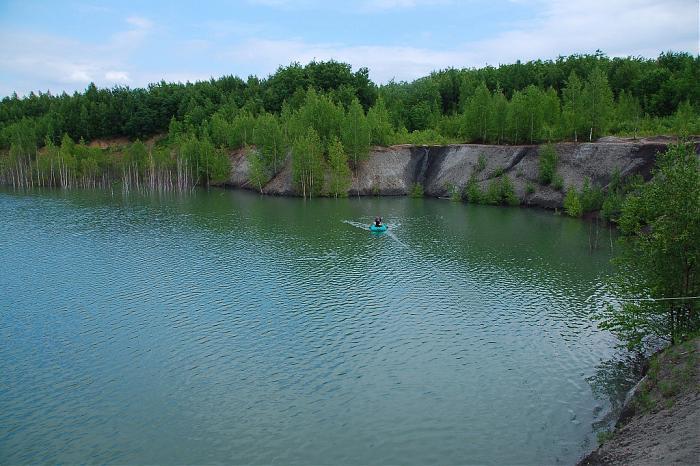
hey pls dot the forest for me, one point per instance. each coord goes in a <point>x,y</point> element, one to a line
<point>327,116</point>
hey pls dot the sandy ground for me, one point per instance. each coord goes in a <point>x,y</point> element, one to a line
<point>662,424</point>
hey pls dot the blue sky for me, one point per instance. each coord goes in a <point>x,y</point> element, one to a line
<point>57,46</point>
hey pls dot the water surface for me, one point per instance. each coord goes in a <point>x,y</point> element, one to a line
<point>224,327</point>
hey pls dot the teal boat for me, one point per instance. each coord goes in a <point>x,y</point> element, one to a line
<point>377,229</point>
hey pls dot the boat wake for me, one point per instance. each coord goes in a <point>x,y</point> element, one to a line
<point>388,232</point>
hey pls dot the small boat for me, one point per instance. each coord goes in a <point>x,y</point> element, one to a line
<point>378,229</point>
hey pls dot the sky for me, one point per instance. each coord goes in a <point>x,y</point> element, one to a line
<point>61,46</point>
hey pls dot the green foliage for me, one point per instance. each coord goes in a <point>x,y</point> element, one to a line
<point>324,116</point>
<point>454,192</point>
<point>529,188</point>
<point>591,197</point>
<point>557,182</point>
<point>379,123</point>
<point>513,103</point>
<point>612,206</point>
<point>685,120</point>
<point>416,191</point>
<point>598,103</point>
<point>259,172</point>
<point>499,117</point>
<point>472,193</point>
<point>241,131</point>
<point>521,102</point>
<point>518,117</point>
<point>477,114</point>
<point>660,253</point>
<point>604,436</point>
<point>207,164</point>
<point>628,114</point>
<point>307,164</point>
<point>613,199</point>
<point>481,163</point>
<point>500,192</point>
<point>340,176</point>
<point>269,139</point>
<point>534,101</point>
<point>356,133</point>
<point>573,108</point>
<point>572,203</point>
<point>548,164</point>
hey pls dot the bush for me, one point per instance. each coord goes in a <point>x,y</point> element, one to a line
<point>572,203</point>
<point>548,164</point>
<point>530,188</point>
<point>558,182</point>
<point>591,197</point>
<point>500,192</point>
<point>416,190</point>
<point>481,163</point>
<point>612,206</point>
<point>472,193</point>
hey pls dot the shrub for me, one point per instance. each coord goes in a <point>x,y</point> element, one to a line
<point>591,197</point>
<point>612,206</point>
<point>548,164</point>
<point>481,163</point>
<point>530,188</point>
<point>558,182</point>
<point>472,193</point>
<point>572,203</point>
<point>417,190</point>
<point>500,192</point>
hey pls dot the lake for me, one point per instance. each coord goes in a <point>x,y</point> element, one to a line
<point>225,327</point>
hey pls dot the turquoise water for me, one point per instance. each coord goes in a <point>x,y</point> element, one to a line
<point>224,327</point>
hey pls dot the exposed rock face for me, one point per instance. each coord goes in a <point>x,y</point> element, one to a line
<point>393,171</point>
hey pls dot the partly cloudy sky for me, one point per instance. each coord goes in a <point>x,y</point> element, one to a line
<point>57,46</point>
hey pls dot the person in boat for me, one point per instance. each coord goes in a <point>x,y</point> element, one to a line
<point>377,222</point>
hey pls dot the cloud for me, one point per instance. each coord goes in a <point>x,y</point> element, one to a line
<point>62,63</point>
<point>140,22</point>
<point>562,27</point>
<point>621,27</point>
<point>384,62</point>
<point>143,51</point>
<point>117,76</point>
<point>383,5</point>
<point>363,6</point>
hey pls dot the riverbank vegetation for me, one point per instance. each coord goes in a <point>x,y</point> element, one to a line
<point>581,97</point>
<point>659,260</point>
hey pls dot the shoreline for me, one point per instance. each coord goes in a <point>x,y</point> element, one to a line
<point>658,423</point>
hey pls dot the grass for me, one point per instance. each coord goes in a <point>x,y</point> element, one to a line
<point>669,373</point>
<point>604,436</point>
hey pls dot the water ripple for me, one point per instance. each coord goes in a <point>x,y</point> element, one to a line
<point>226,328</point>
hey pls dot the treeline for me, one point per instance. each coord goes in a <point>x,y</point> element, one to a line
<point>187,159</point>
<point>646,89</point>
<point>327,117</point>
<point>322,136</point>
